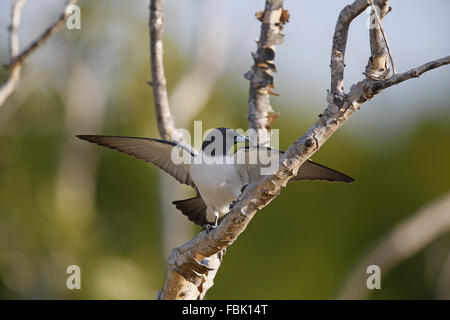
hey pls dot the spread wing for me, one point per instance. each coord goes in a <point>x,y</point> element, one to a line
<point>158,152</point>
<point>255,162</point>
<point>314,171</point>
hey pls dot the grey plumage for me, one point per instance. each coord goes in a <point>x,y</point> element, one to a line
<point>217,185</point>
<point>150,150</point>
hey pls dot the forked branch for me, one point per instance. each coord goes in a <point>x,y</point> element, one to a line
<point>188,269</point>
<point>17,58</point>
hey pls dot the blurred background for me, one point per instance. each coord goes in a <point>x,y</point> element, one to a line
<point>64,202</point>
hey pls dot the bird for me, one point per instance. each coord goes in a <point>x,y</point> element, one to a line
<point>219,172</point>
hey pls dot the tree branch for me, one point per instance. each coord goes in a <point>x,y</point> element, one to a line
<point>17,59</point>
<point>260,112</point>
<point>164,118</point>
<point>11,82</point>
<point>188,269</point>
<point>337,65</point>
<point>413,73</point>
<point>43,37</point>
<point>402,242</point>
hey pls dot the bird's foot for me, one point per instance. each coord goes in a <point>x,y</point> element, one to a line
<point>208,228</point>
<point>233,203</point>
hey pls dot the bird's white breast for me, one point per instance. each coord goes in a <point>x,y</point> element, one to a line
<point>219,184</point>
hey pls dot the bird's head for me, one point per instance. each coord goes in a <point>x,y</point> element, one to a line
<point>220,140</point>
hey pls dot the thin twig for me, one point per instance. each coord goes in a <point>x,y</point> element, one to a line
<point>17,59</point>
<point>412,73</point>
<point>43,37</point>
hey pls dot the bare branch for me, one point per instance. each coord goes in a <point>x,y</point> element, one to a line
<point>405,240</point>
<point>17,59</point>
<point>260,113</point>
<point>14,28</point>
<point>413,73</point>
<point>187,263</point>
<point>164,118</point>
<point>337,65</point>
<point>43,37</point>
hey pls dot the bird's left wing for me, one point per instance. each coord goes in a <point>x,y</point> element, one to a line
<point>175,159</point>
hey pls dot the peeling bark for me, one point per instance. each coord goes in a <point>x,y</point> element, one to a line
<point>260,112</point>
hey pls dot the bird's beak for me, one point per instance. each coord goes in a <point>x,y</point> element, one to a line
<point>241,138</point>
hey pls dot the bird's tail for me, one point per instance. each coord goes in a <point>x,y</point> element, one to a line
<point>194,209</point>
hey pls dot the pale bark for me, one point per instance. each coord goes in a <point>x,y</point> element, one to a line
<point>260,112</point>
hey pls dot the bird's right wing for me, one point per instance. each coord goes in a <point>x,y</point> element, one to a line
<point>255,162</point>
<point>311,170</point>
<point>158,152</point>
